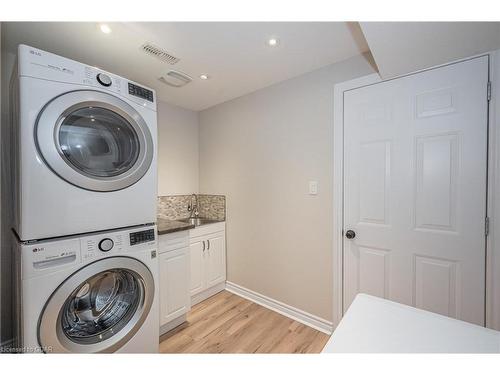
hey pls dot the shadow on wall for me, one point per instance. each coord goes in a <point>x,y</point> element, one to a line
<point>359,39</point>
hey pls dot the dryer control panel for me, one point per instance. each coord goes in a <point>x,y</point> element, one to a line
<point>36,63</point>
<point>140,92</point>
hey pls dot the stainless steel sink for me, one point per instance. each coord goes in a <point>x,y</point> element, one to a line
<point>197,221</point>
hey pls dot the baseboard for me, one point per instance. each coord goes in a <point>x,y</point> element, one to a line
<point>208,293</point>
<point>173,324</point>
<point>291,312</point>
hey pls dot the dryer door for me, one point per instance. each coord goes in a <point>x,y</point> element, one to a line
<point>94,140</point>
<point>97,309</point>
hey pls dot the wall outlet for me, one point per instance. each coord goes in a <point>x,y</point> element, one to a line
<point>313,187</point>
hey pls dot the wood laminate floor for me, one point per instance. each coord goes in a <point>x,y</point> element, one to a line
<point>227,323</point>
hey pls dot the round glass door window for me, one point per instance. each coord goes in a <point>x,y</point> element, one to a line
<point>101,306</point>
<point>94,140</point>
<point>98,142</point>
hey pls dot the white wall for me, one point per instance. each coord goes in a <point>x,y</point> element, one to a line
<point>260,151</point>
<point>178,158</point>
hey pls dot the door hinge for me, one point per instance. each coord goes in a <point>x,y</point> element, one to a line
<point>487,226</point>
<point>489,91</point>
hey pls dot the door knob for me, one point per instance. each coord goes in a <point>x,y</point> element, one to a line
<point>350,234</point>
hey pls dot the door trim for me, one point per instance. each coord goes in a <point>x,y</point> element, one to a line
<point>493,207</point>
<point>492,307</point>
<point>338,188</point>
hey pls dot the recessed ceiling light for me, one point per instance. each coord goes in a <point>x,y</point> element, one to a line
<point>273,42</point>
<point>105,28</point>
<point>204,76</point>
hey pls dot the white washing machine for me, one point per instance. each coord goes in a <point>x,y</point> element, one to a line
<point>86,148</point>
<point>92,294</point>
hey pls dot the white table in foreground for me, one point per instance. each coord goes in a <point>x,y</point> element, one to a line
<point>375,325</point>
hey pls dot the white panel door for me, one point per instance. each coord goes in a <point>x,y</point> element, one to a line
<point>174,285</point>
<point>197,260</point>
<point>216,259</point>
<point>415,151</point>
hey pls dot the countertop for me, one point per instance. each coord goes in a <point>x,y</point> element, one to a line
<point>169,226</point>
<point>375,325</point>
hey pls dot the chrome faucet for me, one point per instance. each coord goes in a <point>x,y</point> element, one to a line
<point>193,208</point>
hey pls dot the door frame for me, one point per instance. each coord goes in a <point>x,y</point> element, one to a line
<point>338,188</point>
<point>492,308</point>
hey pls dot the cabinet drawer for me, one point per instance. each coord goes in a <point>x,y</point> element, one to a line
<point>173,241</point>
<point>208,229</point>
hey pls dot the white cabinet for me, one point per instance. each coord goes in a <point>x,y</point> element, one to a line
<point>215,259</point>
<point>207,248</point>
<point>197,259</point>
<point>174,270</point>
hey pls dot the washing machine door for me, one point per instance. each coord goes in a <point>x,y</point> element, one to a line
<point>97,309</point>
<point>94,140</point>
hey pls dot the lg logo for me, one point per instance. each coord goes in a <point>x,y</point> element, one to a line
<point>38,249</point>
<point>35,53</point>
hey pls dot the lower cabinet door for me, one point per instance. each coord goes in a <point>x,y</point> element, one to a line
<point>197,266</point>
<point>215,259</point>
<point>174,285</point>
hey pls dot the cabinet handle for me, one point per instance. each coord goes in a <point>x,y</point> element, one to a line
<point>208,244</point>
<point>203,246</point>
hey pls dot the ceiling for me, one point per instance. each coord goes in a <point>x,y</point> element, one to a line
<point>403,47</point>
<point>236,56</point>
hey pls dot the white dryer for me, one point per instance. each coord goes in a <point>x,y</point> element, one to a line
<point>86,148</point>
<point>92,294</point>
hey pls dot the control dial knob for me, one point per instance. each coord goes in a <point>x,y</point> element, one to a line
<point>104,79</point>
<point>106,244</point>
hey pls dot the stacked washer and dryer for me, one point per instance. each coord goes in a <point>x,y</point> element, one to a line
<point>84,194</point>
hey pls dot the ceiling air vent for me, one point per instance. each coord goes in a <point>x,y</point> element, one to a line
<point>159,53</point>
<point>175,79</point>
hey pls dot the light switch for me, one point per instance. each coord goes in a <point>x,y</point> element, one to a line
<point>313,187</point>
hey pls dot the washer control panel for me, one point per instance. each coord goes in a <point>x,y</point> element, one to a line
<point>106,244</point>
<point>98,245</point>
<point>143,236</point>
<point>42,257</point>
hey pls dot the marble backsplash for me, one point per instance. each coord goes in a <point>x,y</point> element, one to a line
<point>212,207</point>
<point>175,207</point>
